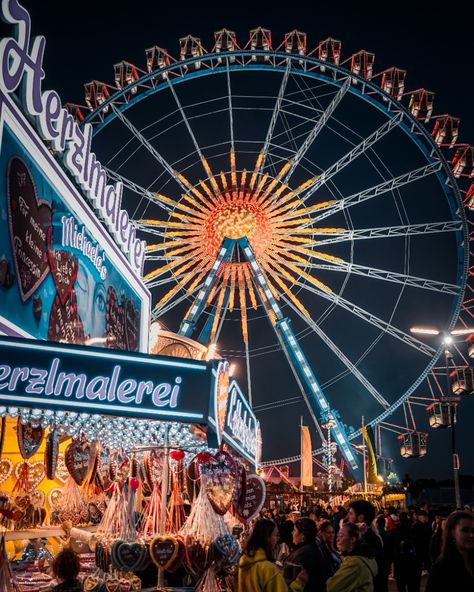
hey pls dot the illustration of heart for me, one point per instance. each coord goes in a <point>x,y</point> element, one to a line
<point>115,321</point>
<point>164,550</point>
<point>77,458</point>
<point>132,325</point>
<point>111,583</point>
<point>252,502</point>
<point>34,473</point>
<point>65,323</point>
<point>64,269</point>
<point>221,481</point>
<point>228,547</point>
<point>30,224</point>
<point>6,468</point>
<point>29,438</point>
<point>61,470</point>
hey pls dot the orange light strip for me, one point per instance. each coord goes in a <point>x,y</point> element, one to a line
<point>233,173</point>
<point>249,283</point>
<point>276,180</point>
<point>256,170</point>
<point>232,286</point>
<point>209,193</point>
<point>178,205</point>
<point>243,305</point>
<point>207,168</point>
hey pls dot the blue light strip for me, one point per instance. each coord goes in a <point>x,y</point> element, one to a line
<point>302,368</point>
<point>116,356</point>
<point>225,252</point>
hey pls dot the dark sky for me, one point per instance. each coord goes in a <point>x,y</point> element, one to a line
<point>85,39</point>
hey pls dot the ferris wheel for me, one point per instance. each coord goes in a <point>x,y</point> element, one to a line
<point>276,184</point>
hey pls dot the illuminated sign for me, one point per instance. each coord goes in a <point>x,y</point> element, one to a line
<point>92,380</point>
<point>241,428</point>
<point>21,63</point>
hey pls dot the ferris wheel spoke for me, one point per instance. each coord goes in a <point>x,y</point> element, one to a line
<point>231,117</point>
<point>340,354</point>
<point>275,114</point>
<point>377,190</point>
<point>353,154</point>
<point>388,232</point>
<point>388,276</point>
<point>141,191</point>
<point>157,312</point>
<point>320,123</point>
<point>151,149</point>
<point>368,317</point>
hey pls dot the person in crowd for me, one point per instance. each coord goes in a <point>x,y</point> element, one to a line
<point>66,567</point>
<point>331,557</point>
<point>358,567</point>
<point>257,571</point>
<point>454,569</point>
<point>406,564</point>
<point>338,517</point>
<point>437,536</point>
<point>307,554</point>
<point>389,521</point>
<point>387,553</point>
<point>421,535</point>
<point>362,513</point>
<point>285,540</point>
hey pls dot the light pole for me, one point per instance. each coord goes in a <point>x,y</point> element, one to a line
<point>448,339</point>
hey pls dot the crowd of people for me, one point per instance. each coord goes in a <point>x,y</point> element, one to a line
<point>359,549</point>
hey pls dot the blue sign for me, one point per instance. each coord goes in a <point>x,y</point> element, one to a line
<point>93,380</point>
<point>62,278</point>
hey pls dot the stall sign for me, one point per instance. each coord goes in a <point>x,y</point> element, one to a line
<point>93,380</point>
<point>241,428</point>
<point>21,66</point>
<point>62,277</point>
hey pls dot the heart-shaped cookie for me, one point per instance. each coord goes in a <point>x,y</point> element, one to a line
<point>92,583</point>
<point>6,468</point>
<point>220,481</point>
<point>65,323</point>
<point>250,504</point>
<point>61,470</point>
<point>51,453</point>
<point>125,585</point>
<point>77,458</point>
<point>34,473</point>
<point>115,321</point>
<point>29,438</point>
<point>63,265</point>
<point>228,548</point>
<point>180,557</point>
<point>37,499</point>
<point>30,225</point>
<point>164,550</point>
<point>54,498</point>
<point>111,583</point>
<point>129,556</point>
<point>132,325</point>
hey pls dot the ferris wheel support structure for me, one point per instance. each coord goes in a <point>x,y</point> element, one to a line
<point>312,393</point>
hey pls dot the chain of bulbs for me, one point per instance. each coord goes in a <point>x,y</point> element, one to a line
<point>112,432</point>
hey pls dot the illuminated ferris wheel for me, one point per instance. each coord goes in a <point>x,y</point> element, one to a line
<point>296,205</point>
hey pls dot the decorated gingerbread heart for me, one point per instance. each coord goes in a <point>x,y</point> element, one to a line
<point>129,556</point>
<point>51,453</point>
<point>61,470</point>
<point>6,468</point>
<point>164,550</point>
<point>132,325</point>
<point>29,220</point>
<point>228,548</point>
<point>29,438</point>
<point>115,321</point>
<point>250,504</point>
<point>65,323</point>
<point>77,458</point>
<point>221,481</point>
<point>63,265</point>
<point>30,473</point>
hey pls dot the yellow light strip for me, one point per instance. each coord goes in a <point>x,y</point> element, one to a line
<point>288,291</point>
<point>276,180</point>
<point>175,289</point>
<point>258,164</point>
<point>300,272</point>
<point>249,283</point>
<point>192,247</point>
<point>243,304</point>
<point>195,204</point>
<point>220,302</point>
<point>276,224</point>
<point>207,168</point>
<point>233,174</point>
<point>312,209</point>
<point>242,184</point>
<point>195,282</point>
<point>209,193</point>
<point>161,270</point>
<point>180,206</point>
<point>232,286</point>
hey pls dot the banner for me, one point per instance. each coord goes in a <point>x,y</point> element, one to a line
<point>368,435</point>
<point>306,457</point>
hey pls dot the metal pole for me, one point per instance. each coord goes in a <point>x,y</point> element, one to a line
<point>363,461</point>
<point>452,423</point>
<point>164,498</point>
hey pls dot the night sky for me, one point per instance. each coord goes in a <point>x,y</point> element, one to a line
<point>85,39</point>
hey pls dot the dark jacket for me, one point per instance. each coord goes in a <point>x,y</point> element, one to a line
<point>310,557</point>
<point>331,560</point>
<point>68,586</point>
<point>449,576</point>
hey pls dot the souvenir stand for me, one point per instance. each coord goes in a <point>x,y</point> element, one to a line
<point>135,459</point>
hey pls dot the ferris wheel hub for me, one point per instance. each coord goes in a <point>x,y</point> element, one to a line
<point>236,221</point>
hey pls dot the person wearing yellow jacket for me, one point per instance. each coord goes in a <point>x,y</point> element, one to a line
<point>358,567</point>
<point>257,571</point>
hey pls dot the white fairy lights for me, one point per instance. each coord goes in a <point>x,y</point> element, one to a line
<point>112,432</point>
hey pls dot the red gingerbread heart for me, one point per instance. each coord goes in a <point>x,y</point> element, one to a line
<point>65,323</point>
<point>115,321</point>
<point>220,479</point>
<point>252,501</point>
<point>30,225</point>
<point>64,268</point>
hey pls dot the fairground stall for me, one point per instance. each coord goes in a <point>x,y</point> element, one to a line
<point>136,460</point>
